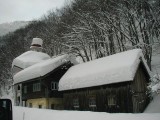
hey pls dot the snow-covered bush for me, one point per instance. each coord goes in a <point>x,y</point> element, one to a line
<point>154,85</point>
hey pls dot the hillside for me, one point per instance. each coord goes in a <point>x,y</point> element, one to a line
<point>10,27</point>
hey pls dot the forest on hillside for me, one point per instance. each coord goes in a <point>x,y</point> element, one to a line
<point>90,29</point>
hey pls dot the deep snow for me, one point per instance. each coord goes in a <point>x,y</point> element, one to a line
<point>42,68</point>
<point>21,113</point>
<point>154,106</point>
<point>29,58</point>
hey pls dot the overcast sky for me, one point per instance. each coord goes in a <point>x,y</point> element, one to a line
<point>25,10</point>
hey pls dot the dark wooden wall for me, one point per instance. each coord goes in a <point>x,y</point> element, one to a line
<point>30,94</point>
<point>139,90</point>
<point>121,91</point>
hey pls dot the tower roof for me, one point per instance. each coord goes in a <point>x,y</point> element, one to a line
<point>29,58</point>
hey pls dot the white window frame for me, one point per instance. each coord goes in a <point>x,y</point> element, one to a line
<point>54,85</point>
<point>36,87</point>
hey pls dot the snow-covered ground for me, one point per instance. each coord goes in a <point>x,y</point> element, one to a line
<point>154,106</point>
<point>21,113</point>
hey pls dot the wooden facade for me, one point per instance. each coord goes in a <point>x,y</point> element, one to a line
<point>124,97</point>
<point>43,88</point>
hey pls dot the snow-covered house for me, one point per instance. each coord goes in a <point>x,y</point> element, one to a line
<point>117,83</point>
<point>26,60</point>
<point>40,82</point>
<point>36,83</point>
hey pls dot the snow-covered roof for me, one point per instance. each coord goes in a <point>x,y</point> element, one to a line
<point>29,58</point>
<point>41,69</point>
<point>116,68</point>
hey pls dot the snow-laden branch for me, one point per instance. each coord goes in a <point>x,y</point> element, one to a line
<point>155,83</point>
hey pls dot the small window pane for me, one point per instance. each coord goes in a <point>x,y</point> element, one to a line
<point>19,87</point>
<point>36,87</point>
<point>54,85</point>
<point>25,89</point>
<point>52,106</point>
<point>111,100</point>
<point>76,103</point>
<point>39,106</point>
<point>30,105</point>
<point>92,103</point>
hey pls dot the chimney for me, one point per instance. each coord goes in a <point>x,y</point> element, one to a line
<point>36,44</point>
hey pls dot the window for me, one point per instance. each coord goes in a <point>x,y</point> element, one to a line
<point>30,105</point>
<point>92,103</point>
<point>24,103</point>
<point>25,89</point>
<point>52,106</point>
<point>39,106</point>
<point>36,87</point>
<point>54,85</point>
<point>111,100</point>
<point>19,87</point>
<point>76,103</point>
<point>18,101</point>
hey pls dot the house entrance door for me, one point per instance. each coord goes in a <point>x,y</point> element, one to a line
<point>135,104</point>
